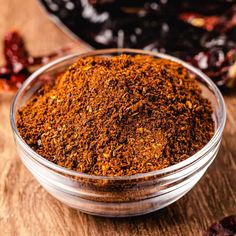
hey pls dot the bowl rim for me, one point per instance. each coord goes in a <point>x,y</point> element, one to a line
<point>191,160</point>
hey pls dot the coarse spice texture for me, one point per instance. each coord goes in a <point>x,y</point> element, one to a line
<point>118,116</point>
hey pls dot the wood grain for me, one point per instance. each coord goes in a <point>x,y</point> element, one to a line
<point>27,209</point>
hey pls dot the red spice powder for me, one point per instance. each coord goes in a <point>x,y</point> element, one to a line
<point>118,116</point>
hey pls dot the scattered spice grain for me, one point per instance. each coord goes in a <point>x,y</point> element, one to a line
<point>118,116</point>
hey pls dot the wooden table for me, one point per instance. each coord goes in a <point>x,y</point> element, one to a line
<point>27,209</point>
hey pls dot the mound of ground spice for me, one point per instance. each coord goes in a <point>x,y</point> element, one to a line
<point>118,116</point>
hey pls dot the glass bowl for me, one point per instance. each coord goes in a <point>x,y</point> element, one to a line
<point>125,195</point>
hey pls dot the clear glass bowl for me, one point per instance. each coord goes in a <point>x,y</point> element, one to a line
<point>125,195</point>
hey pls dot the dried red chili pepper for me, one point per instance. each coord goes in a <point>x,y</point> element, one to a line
<point>18,61</point>
<point>206,22</point>
<point>226,226</point>
<point>219,65</point>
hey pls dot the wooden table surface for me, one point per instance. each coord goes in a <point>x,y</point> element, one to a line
<point>27,209</point>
